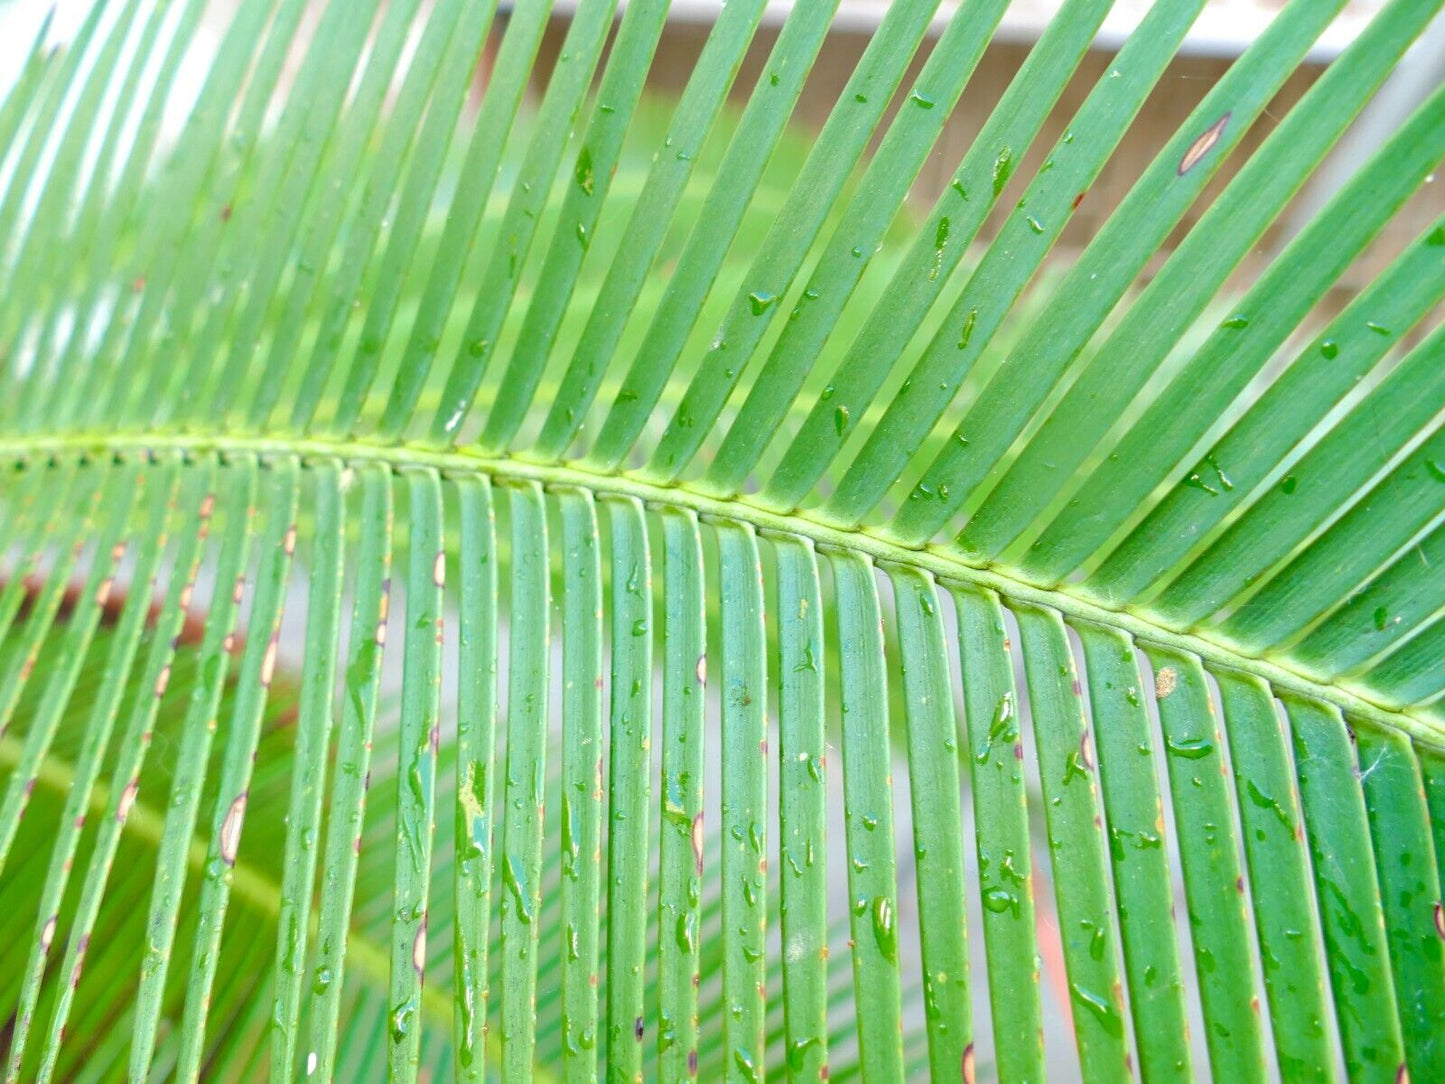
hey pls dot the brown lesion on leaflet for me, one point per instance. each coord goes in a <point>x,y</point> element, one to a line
<point>1203,145</point>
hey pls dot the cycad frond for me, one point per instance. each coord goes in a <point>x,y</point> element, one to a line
<point>828,630</point>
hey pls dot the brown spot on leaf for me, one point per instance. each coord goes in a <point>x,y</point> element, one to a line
<point>268,662</point>
<point>208,505</point>
<point>439,570</point>
<point>1440,919</point>
<point>231,829</point>
<point>1078,200</point>
<point>1086,751</point>
<point>418,949</point>
<point>47,933</point>
<point>289,545</point>
<point>968,1069</point>
<point>1203,145</point>
<point>127,799</point>
<point>1165,681</point>
<point>702,670</point>
<point>637,1029</point>
<point>1402,1074</point>
<point>102,594</point>
<point>697,838</point>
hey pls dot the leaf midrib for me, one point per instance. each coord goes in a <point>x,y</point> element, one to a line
<point>946,567</point>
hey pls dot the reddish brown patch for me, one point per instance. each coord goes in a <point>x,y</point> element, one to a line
<point>1078,200</point>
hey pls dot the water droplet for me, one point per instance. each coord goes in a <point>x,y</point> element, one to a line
<point>798,1052</point>
<point>401,1017</point>
<point>585,179</point>
<point>1189,748</point>
<point>940,240</point>
<point>760,300</point>
<point>518,888</point>
<point>966,332</point>
<point>883,929</point>
<point>840,419</point>
<point>1003,166</point>
<point>1104,1012</point>
<point>1001,729</point>
<point>919,100</point>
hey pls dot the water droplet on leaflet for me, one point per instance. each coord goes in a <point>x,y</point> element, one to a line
<point>1002,168</point>
<point>920,100</point>
<point>840,419</point>
<point>760,301</point>
<point>884,932</point>
<point>1104,1012</point>
<point>1189,748</point>
<point>798,1052</point>
<point>401,1017</point>
<point>585,179</point>
<point>518,888</point>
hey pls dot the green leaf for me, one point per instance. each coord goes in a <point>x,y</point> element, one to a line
<point>918,559</point>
